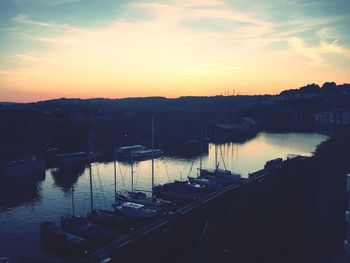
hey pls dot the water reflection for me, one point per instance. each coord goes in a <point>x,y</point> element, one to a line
<point>67,176</point>
<point>294,141</point>
<point>18,191</point>
<point>237,157</point>
<point>252,155</point>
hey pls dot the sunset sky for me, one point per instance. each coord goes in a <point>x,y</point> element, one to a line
<point>124,48</point>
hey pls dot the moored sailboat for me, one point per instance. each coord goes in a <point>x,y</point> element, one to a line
<point>180,192</point>
<point>224,177</point>
<point>83,227</point>
<point>150,202</point>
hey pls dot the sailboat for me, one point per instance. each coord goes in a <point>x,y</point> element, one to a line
<point>224,177</point>
<point>108,218</point>
<point>141,198</point>
<point>134,211</point>
<point>83,227</point>
<point>214,179</point>
<point>180,192</point>
<point>212,185</point>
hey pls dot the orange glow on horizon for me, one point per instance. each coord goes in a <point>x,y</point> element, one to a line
<point>162,56</point>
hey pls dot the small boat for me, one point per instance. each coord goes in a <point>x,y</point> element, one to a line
<point>141,198</point>
<point>125,151</point>
<point>212,184</point>
<point>224,175</point>
<point>180,192</point>
<point>84,228</point>
<point>55,238</point>
<point>110,219</point>
<point>134,210</point>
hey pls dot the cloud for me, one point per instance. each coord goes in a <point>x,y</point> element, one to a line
<point>327,33</point>
<point>316,53</point>
<point>299,46</point>
<point>165,31</point>
<point>333,48</point>
<point>162,50</point>
<point>23,19</point>
<point>41,2</point>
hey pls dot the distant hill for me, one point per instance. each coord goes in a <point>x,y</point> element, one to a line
<point>327,88</point>
<point>309,90</point>
<point>9,103</point>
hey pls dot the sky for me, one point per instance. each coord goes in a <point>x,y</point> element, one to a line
<point>115,49</point>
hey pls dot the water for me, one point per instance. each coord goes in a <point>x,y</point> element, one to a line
<point>23,207</point>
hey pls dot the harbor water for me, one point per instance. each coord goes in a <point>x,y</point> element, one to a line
<point>25,204</point>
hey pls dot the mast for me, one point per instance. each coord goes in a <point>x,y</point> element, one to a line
<point>115,176</point>
<point>201,149</point>
<point>132,172</point>
<point>72,190</point>
<point>73,208</point>
<point>152,138</point>
<point>216,151</point>
<point>216,157</point>
<point>91,196</point>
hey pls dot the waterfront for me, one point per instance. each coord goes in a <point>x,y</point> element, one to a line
<point>19,221</point>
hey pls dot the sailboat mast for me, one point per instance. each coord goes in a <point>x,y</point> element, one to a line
<point>216,150</point>
<point>91,196</point>
<point>73,208</point>
<point>71,173</point>
<point>216,157</point>
<point>132,172</point>
<point>115,177</point>
<point>152,156</point>
<point>201,149</point>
